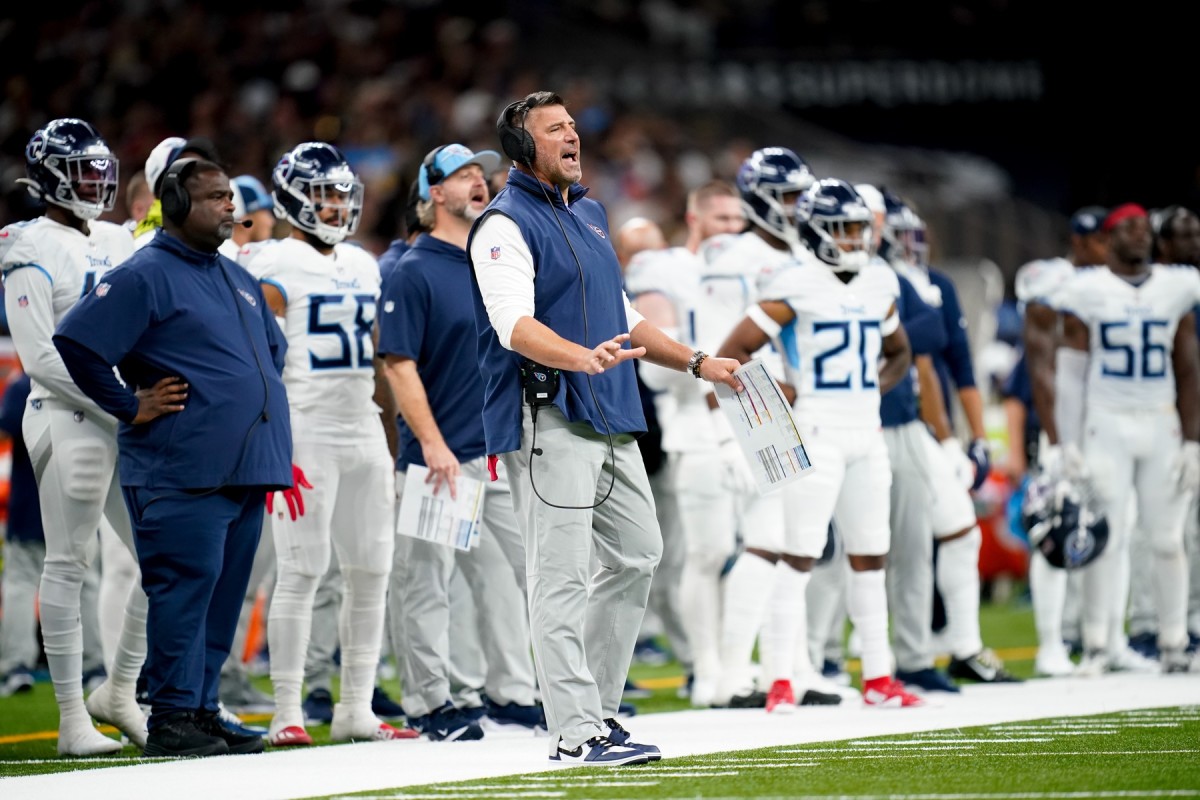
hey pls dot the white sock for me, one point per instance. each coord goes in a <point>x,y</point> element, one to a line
<point>1171,594</point>
<point>360,631</point>
<point>287,638</point>
<point>786,624</point>
<point>747,591</point>
<point>824,599</point>
<point>62,636</point>
<point>866,603</point>
<point>1048,588</point>
<point>1119,600</point>
<point>958,580</point>
<point>131,646</point>
<point>700,610</point>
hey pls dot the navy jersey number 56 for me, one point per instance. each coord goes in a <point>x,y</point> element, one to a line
<point>347,318</point>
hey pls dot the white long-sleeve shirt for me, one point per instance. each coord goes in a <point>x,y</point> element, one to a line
<point>506,276</point>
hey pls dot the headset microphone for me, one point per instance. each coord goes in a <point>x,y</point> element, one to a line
<point>247,223</point>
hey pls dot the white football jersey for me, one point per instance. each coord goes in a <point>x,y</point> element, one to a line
<point>675,274</point>
<point>1039,281</point>
<point>47,269</point>
<point>1131,332</point>
<point>733,267</point>
<point>329,371</point>
<point>832,346</point>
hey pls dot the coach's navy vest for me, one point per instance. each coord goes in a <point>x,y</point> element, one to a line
<point>559,305</point>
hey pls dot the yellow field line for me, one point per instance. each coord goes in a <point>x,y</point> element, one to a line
<point>19,738</point>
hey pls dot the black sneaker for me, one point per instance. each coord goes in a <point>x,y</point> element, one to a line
<point>239,742</point>
<point>447,724</point>
<point>318,707</point>
<point>983,667</point>
<point>179,735</point>
<point>812,697</point>
<point>383,706</point>
<point>927,680</point>
<point>619,736</point>
<point>532,717</point>
<point>754,699</point>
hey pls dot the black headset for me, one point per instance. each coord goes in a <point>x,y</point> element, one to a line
<point>433,173</point>
<point>176,201</point>
<point>517,143</point>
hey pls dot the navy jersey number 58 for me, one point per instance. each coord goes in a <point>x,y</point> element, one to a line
<point>357,349</point>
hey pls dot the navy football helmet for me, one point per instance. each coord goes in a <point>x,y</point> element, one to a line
<point>835,223</point>
<point>763,179</point>
<point>311,178</point>
<point>903,232</point>
<point>71,166</point>
<point>1062,522</point>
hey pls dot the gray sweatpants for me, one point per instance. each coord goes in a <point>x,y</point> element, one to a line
<point>910,560</point>
<point>18,597</point>
<point>423,571</point>
<point>583,640</point>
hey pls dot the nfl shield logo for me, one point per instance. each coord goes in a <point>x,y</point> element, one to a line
<point>23,301</point>
<point>495,253</point>
<point>102,289</point>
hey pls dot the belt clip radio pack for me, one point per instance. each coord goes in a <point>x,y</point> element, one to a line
<point>540,383</point>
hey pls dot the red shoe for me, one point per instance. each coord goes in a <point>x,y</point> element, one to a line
<point>387,733</point>
<point>887,693</point>
<point>291,736</point>
<point>780,699</point>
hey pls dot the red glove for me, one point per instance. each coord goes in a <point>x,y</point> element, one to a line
<point>295,500</point>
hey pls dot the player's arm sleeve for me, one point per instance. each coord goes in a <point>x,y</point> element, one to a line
<point>97,379</point>
<point>504,269</point>
<point>958,347</point>
<point>276,340</point>
<point>922,322</point>
<point>99,332</point>
<point>29,301</point>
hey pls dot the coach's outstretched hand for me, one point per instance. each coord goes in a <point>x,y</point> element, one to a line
<point>295,500</point>
<point>720,370</point>
<point>165,397</point>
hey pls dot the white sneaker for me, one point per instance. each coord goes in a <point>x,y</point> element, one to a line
<point>1053,661</point>
<point>1127,659</point>
<point>1093,664</point>
<point>350,727</point>
<point>599,751</point>
<point>84,740</point>
<point>120,711</point>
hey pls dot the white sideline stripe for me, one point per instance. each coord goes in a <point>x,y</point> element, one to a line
<point>940,740</point>
<point>388,767</point>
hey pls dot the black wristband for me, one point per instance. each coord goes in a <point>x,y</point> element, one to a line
<point>695,361</point>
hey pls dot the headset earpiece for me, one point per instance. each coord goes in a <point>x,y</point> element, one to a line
<point>433,173</point>
<point>176,202</point>
<point>517,143</point>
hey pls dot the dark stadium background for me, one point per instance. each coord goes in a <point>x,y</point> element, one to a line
<point>996,118</point>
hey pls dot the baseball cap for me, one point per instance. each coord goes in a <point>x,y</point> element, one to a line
<point>1088,220</point>
<point>450,159</point>
<point>166,151</point>
<point>249,196</point>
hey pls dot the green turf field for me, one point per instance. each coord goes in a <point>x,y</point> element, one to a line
<point>1147,753</point>
<point>29,722</point>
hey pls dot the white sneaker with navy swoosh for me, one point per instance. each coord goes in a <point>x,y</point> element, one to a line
<point>619,736</point>
<point>599,751</point>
